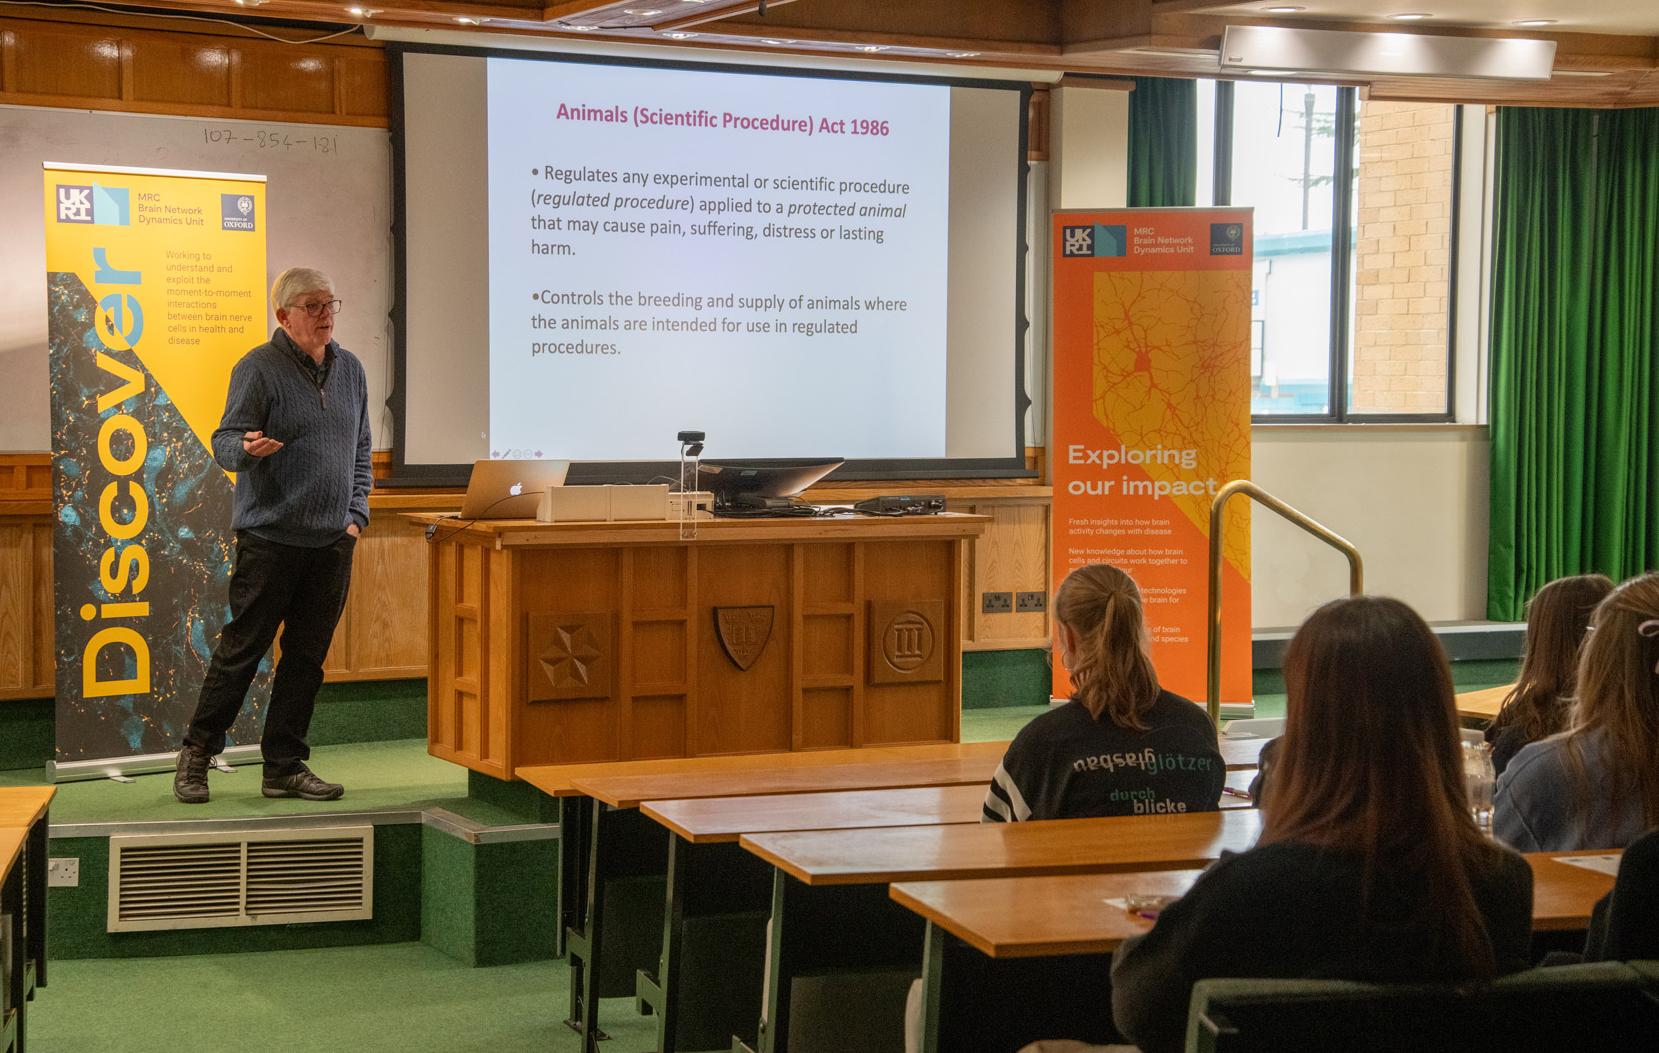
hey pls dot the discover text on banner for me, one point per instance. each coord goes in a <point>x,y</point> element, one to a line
<point>155,287</point>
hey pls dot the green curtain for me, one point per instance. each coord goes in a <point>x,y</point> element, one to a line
<point>1575,335</point>
<point>1163,142</point>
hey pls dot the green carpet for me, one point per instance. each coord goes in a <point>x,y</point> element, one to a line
<point>396,998</point>
<point>377,776</point>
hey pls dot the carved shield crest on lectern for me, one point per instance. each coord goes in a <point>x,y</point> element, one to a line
<point>743,632</point>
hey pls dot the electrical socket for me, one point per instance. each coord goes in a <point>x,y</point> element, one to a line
<point>996,602</point>
<point>63,872</point>
<point>1030,602</point>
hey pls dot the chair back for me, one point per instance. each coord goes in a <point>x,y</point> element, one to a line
<point>1605,1006</point>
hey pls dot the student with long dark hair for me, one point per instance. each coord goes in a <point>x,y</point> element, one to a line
<point>1122,745</point>
<point>1558,618</point>
<point>1369,866</point>
<point>1597,784</point>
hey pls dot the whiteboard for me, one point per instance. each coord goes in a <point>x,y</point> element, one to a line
<point>328,196</point>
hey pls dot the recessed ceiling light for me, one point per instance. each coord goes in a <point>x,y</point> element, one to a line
<point>679,36</point>
<point>1533,23</point>
<point>964,54</point>
<point>465,21</point>
<point>641,12</point>
<point>577,29</point>
<point>777,43</point>
<point>362,12</point>
<point>1283,9</point>
<point>250,3</point>
<point>1410,16</point>
<point>872,47</point>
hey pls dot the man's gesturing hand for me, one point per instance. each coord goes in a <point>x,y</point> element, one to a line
<point>257,444</point>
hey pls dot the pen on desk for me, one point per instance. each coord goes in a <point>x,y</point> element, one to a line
<point>1230,792</point>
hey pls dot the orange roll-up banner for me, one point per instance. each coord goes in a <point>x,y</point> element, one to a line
<point>1151,417</point>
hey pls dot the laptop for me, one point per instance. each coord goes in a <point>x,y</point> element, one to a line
<point>510,489</point>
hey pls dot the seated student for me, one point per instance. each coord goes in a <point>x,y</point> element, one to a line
<point>1596,785</point>
<point>1624,926</point>
<point>1558,618</point>
<point>1369,865</point>
<point>1122,745</point>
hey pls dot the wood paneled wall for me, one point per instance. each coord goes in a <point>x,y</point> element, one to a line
<point>26,663</point>
<point>74,62</point>
<point>383,634</point>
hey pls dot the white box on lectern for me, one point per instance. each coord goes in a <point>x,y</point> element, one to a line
<point>647,501</point>
<point>604,503</point>
<point>572,504</point>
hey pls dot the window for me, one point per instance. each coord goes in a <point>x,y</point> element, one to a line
<point>1351,315</point>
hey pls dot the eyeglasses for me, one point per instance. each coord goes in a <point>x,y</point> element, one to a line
<point>317,310</point>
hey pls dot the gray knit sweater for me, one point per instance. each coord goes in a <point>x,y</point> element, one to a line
<point>309,491</point>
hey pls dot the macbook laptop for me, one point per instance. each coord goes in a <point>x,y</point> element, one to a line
<point>510,489</point>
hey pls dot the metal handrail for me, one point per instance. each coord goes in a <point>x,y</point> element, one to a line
<point>1356,570</point>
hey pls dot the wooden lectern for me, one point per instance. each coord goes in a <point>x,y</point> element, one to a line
<point>554,643</point>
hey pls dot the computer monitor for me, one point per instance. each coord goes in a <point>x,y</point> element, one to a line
<point>730,482</point>
<point>509,489</point>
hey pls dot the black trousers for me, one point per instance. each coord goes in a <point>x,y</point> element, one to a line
<point>300,590</point>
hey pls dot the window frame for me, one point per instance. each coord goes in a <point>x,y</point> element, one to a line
<point>1345,173</point>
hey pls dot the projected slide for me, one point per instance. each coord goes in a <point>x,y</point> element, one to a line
<point>762,257</point>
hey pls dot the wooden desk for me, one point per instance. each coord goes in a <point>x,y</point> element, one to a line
<point>23,851</point>
<point>604,839</point>
<point>725,895</point>
<point>831,911</point>
<point>567,642</point>
<point>869,769</point>
<point>559,780</point>
<point>723,820</point>
<point>1483,704</point>
<point>982,935</point>
<point>719,896</point>
<point>975,765</point>
<point>23,806</point>
<point>1563,894</point>
<point>1064,846</point>
<point>1032,916</point>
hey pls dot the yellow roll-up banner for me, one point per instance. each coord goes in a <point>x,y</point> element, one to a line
<point>155,288</point>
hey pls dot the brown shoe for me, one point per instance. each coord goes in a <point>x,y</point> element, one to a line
<point>190,779</point>
<point>303,784</point>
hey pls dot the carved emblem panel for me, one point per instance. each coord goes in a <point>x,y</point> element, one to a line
<point>744,632</point>
<point>570,656</point>
<point>907,642</point>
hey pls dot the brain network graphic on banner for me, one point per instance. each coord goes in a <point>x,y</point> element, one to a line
<point>155,285</point>
<point>1151,417</point>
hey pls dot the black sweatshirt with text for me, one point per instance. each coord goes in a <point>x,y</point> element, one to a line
<point>1067,765</point>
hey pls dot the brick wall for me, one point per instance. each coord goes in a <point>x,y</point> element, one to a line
<point>1402,258</point>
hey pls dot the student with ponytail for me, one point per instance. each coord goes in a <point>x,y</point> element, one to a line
<point>1369,866</point>
<point>1122,745</point>
<point>1597,784</point>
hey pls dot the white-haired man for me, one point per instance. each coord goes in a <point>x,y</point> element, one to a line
<point>296,432</point>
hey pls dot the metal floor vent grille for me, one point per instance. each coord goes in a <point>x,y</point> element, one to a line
<point>198,881</point>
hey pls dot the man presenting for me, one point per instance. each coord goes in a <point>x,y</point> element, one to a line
<point>296,432</point>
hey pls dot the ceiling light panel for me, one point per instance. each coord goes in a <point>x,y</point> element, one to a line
<point>1338,53</point>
